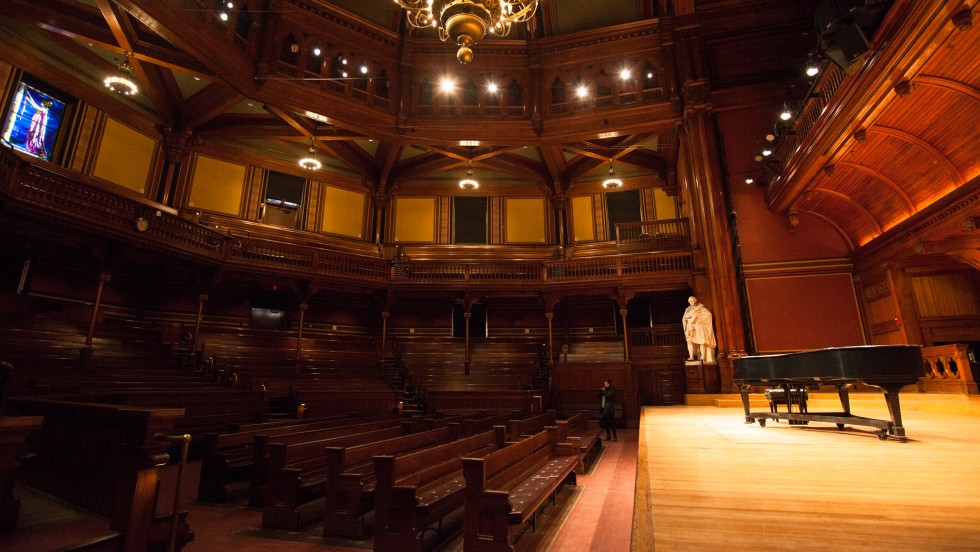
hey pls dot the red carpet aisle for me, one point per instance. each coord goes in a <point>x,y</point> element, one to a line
<point>603,515</point>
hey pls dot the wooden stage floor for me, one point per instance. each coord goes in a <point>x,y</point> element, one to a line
<point>708,481</point>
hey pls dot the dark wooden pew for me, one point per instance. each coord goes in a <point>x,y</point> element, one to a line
<point>229,457</point>
<point>416,490</point>
<point>472,426</point>
<point>106,459</point>
<point>585,434</point>
<point>351,482</point>
<point>522,427</point>
<point>500,400</point>
<point>14,431</point>
<point>303,451</point>
<point>323,402</point>
<point>506,488</point>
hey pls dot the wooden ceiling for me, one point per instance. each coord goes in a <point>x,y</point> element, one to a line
<point>754,52</point>
<point>188,88</point>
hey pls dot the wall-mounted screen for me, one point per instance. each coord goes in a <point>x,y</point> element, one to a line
<point>33,121</point>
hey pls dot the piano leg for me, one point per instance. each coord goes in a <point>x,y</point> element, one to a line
<point>894,410</point>
<point>843,391</point>
<point>745,403</point>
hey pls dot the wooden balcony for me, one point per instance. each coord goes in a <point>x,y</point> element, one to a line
<point>651,254</point>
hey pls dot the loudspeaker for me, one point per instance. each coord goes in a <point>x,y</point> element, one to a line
<point>846,45</point>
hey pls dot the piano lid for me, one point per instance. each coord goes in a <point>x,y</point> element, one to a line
<point>862,362</point>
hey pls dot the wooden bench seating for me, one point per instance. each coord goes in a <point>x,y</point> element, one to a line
<point>106,460</point>
<point>522,427</point>
<point>416,490</point>
<point>583,432</point>
<point>506,488</point>
<point>324,402</point>
<point>228,458</point>
<point>489,400</point>
<point>303,450</point>
<point>294,493</point>
<point>473,425</point>
<point>351,481</point>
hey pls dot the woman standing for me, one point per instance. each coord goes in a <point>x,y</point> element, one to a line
<point>607,406</point>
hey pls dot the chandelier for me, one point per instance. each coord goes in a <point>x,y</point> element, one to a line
<point>122,81</point>
<point>611,182</point>
<point>310,163</point>
<point>466,22</point>
<point>469,183</point>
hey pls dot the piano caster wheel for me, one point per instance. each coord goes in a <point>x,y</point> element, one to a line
<point>882,434</point>
<point>840,426</point>
<point>762,422</point>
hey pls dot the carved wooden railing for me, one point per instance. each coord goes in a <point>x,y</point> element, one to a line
<point>659,335</point>
<point>948,370</point>
<point>76,201</point>
<point>653,235</point>
<point>68,196</point>
<point>821,92</point>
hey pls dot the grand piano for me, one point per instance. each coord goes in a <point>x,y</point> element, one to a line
<point>887,367</point>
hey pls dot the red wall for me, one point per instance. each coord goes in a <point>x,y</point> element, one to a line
<point>804,312</point>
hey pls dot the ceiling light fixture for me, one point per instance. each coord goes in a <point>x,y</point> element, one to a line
<point>787,113</point>
<point>122,81</point>
<point>311,163</point>
<point>812,65</point>
<point>469,183</point>
<point>466,22</point>
<point>611,182</point>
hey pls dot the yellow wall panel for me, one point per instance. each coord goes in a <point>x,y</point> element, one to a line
<point>125,156</point>
<point>217,186</point>
<point>343,212</point>
<point>666,206</point>
<point>525,220</point>
<point>583,218</point>
<point>415,219</point>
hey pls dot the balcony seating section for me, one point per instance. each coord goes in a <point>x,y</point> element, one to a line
<point>440,364</point>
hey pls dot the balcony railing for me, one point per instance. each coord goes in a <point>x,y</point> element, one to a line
<point>653,235</point>
<point>660,335</point>
<point>93,207</point>
<point>821,92</point>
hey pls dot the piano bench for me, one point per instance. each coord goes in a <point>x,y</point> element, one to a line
<point>798,395</point>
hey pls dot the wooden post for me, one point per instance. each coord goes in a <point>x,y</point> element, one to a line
<point>201,299</point>
<point>104,278</point>
<point>466,362</point>
<point>384,331</point>
<point>626,335</point>
<point>551,350</point>
<point>299,337</point>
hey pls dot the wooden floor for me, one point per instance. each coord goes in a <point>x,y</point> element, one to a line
<point>704,480</point>
<point>708,481</point>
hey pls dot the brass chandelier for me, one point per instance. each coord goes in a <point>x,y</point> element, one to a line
<point>466,22</point>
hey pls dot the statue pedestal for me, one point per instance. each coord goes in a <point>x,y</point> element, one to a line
<point>694,376</point>
<point>701,377</point>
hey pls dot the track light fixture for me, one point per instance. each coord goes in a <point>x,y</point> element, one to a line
<point>812,65</point>
<point>787,112</point>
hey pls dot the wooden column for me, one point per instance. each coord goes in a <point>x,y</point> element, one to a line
<point>299,337</point>
<point>466,317</point>
<point>550,315</point>
<point>384,331</point>
<point>626,335</point>
<point>201,299</point>
<point>104,278</point>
